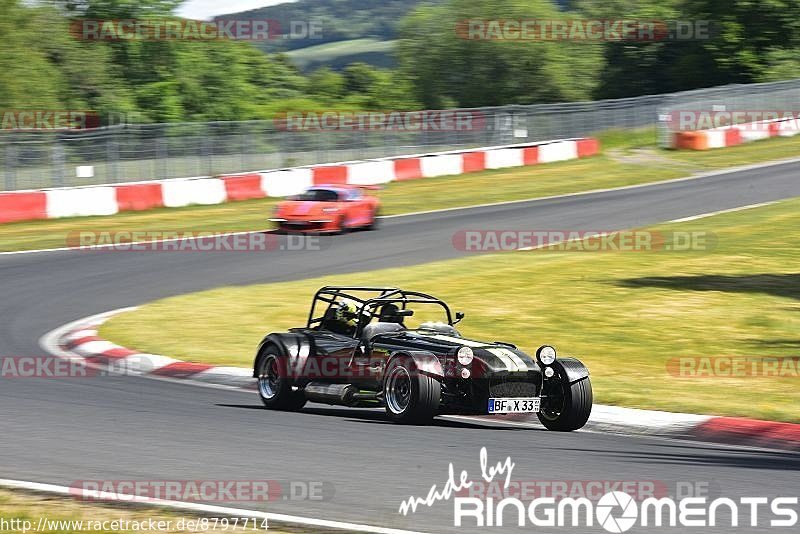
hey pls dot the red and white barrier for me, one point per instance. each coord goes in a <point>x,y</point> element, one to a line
<point>735,135</point>
<point>504,157</point>
<point>286,182</point>
<point>81,201</point>
<point>179,193</point>
<point>111,199</point>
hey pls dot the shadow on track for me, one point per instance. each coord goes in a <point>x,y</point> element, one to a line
<point>692,454</point>
<point>374,416</point>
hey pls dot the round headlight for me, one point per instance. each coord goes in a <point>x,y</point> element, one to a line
<point>546,355</point>
<point>465,356</point>
<point>548,372</point>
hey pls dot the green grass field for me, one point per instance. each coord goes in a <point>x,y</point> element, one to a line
<point>630,159</point>
<point>341,53</point>
<point>626,314</point>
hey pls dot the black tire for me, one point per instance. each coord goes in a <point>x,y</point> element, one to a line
<point>373,225</point>
<point>410,397</point>
<point>570,408</point>
<point>274,387</point>
<point>341,229</point>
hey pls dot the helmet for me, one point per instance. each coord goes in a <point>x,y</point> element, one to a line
<point>346,313</point>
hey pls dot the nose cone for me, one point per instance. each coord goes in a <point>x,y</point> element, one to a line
<point>301,208</point>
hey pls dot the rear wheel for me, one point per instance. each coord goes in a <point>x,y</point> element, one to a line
<point>567,406</point>
<point>274,385</point>
<point>410,397</point>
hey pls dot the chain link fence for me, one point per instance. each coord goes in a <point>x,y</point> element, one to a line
<point>137,152</point>
<point>782,97</point>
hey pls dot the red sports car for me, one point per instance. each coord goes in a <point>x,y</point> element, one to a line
<point>327,208</point>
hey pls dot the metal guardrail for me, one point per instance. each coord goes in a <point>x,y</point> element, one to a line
<point>135,152</point>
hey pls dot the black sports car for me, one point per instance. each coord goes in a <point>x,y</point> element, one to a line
<point>360,351</point>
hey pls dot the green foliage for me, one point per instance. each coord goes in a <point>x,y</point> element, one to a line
<point>44,66</point>
<point>340,20</point>
<point>751,41</point>
<point>446,67</point>
<point>167,80</point>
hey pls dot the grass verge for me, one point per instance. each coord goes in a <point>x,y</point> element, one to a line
<point>631,159</point>
<point>64,515</point>
<point>625,314</point>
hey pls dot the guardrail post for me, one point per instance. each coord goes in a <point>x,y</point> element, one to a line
<point>58,164</point>
<point>10,167</point>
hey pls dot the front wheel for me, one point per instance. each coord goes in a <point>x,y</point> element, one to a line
<point>274,385</point>
<point>410,396</point>
<point>373,224</point>
<point>568,406</point>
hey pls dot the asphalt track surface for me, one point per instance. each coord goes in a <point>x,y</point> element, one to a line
<point>124,428</point>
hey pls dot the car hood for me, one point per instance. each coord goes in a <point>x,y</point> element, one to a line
<point>301,208</point>
<point>495,356</point>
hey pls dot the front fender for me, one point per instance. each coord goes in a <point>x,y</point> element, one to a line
<point>572,368</point>
<point>426,362</point>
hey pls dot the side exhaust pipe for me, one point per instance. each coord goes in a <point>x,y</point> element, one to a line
<point>336,394</point>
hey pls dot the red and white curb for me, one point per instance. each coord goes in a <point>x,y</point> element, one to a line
<point>79,340</point>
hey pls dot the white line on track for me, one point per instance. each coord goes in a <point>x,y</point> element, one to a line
<point>722,172</point>
<point>708,174</point>
<point>209,509</point>
<point>89,248</point>
<point>720,212</point>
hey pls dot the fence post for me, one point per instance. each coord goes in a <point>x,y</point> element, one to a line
<point>58,163</point>
<point>112,156</point>
<point>11,166</point>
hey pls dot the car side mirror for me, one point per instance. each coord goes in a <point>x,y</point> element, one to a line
<point>459,316</point>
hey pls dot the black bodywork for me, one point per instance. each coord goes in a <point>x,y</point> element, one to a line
<point>362,349</point>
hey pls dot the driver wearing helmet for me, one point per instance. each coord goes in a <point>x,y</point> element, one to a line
<point>345,317</point>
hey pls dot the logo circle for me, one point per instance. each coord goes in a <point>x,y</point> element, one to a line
<point>616,523</point>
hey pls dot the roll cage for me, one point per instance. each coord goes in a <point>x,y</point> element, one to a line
<point>370,299</point>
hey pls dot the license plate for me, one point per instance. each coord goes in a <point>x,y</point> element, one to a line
<point>515,405</point>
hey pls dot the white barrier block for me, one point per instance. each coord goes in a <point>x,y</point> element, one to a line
<point>789,128</point>
<point>441,165</point>
<point>755,131</point>
<point>715,138</point>
<point>178,193</point>
<point>370,172</point>
<point>558,151</point>
<point>84,171</point>
<point>81,201</point>
<point>286,182</point>
<point>504,157</point>
<point>751,135</point>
